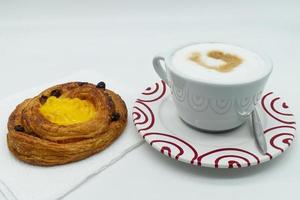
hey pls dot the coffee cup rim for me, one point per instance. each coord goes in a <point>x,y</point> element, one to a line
<point>168,56</point>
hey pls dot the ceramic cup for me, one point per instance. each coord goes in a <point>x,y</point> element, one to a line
<point>210,106</point>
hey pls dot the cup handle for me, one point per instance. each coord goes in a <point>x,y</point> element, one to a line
<point>159,68</point>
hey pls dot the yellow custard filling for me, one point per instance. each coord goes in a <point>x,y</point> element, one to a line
<point>67,111</point>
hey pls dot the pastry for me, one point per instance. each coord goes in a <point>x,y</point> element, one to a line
<point>66,123</point>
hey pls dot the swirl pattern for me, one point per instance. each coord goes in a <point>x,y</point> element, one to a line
<point>245,105</point>
<point>170,141</point>
<point>257,97</point>
<point>280,137</point>
<point>221,106</point>
<point>143,116</point>
<point>179,93</point>
<point>229,157</point>
<point>154,93</point>
<point>279,134</point>
<point>276,109</point>
<point>198,103</point>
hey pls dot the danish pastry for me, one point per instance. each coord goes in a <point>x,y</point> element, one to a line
<point>66,123</point>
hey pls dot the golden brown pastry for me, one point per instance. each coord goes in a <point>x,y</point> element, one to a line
<point>66,123</point>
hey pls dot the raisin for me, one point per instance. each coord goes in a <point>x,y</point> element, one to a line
<point>43,99</point>
<point>19,128</point>
<point>56,93</point>
<point>101,85</point>
<point>115,116</point>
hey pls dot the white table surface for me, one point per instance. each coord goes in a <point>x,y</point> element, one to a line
<point>42,41</point>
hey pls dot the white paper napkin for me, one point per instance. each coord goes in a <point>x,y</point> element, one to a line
<point>20,181</point>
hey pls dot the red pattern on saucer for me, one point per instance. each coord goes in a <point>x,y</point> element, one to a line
<point>279,134</point>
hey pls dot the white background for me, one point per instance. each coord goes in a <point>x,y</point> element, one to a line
<point>42,41</point>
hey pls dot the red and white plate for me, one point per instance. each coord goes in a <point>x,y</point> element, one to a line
<point>155,117</point>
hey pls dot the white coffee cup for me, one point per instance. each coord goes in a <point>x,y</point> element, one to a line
<point>208,105</point>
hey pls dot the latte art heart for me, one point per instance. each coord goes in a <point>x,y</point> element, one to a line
<point>231,61</point>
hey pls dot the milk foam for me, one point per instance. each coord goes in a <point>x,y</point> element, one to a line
<point>251,68</point>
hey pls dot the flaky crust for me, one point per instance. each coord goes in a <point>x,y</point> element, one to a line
<point>45,143</point>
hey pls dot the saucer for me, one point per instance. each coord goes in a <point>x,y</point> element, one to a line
<point>156,119</point>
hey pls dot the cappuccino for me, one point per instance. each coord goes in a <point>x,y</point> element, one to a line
<point>219,63</point>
